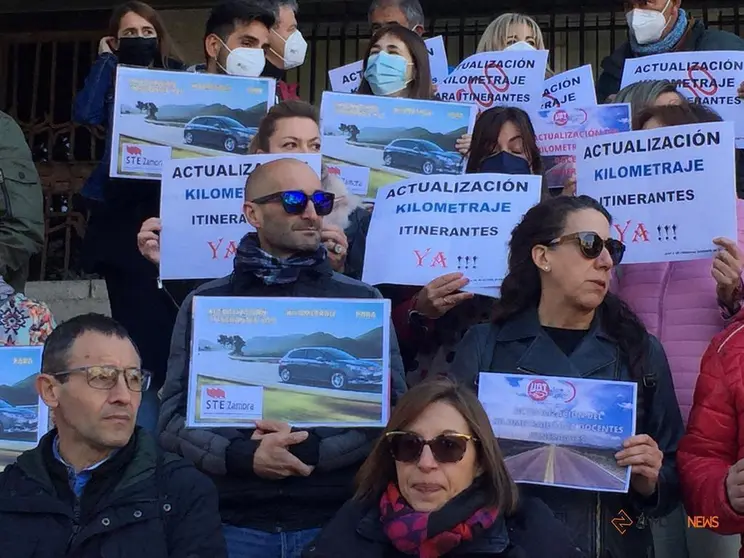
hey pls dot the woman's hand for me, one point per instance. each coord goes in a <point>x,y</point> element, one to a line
<point>337,246</point>
<point>642,454</point>
<point>441,295</point>
<point>740,91</point>
<point>148,239</point>
<point>105,45</point>
<point>726,270</point>
<point>462,145</point>
<point>570,187</point>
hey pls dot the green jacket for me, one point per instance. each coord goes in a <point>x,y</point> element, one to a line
<point>21,205</point>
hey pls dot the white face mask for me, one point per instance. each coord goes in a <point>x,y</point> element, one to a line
<point>647,26</point>
<point>521,45</point>
<point>245,62</point>
<point>295,49</point>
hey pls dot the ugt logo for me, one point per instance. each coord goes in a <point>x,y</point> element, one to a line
<point>538,390</point>
<point>216,393</point>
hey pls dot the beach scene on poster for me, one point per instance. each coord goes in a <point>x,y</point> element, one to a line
<point>434,225</point>
<point>709,78</point>
<point>571,88</point>
<point>201,208</point>
<point>395,138</point>
<point>670,191</point>
<point>556,132</point>
<point>160,115</point>
<point>561,431</point>
<point>308,362</point>
<point>24,418</point>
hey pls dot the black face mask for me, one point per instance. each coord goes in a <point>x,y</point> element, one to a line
<point>505,163</point>
<point>137,51</point>
<point>271,71</point>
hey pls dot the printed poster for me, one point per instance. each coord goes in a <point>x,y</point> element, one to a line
<point>159,115</point>
<point>346,79</point>
<point>24,418</point>
<point>434,225</point>
<point>394,138</point>
<point>557,130</point>
<point>571,88</point>
<point>503,78</point>
<point>355,178</point>
<point>670,191</point>
<point>308,362</point>
<point>710,78</point>
<point>561,431</point>
<point>201,208</point>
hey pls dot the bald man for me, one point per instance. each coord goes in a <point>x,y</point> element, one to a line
<point>277,487</point>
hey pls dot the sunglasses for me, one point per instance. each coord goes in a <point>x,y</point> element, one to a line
<point>294,202</point>
<point>591,245</point>
<point>407,447</point>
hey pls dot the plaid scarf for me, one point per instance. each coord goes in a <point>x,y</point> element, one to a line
<point>271,270</point>
<point>431,535</point>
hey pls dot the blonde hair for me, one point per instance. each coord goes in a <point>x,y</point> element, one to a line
<point>494,37</point>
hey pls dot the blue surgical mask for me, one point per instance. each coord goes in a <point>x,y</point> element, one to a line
<point>386,73</point>
<point>505,163</point>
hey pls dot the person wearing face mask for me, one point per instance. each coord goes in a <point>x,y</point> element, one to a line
<point>117,207</point>
<point>512,31</point>
<point>407,13</point>
<point>287,46</point>
<point>657,27</point>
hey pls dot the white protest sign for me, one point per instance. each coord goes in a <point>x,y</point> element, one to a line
<point>670,191</point>
<point>707,77</point>
<point>355,178</point>
<point>439,224</point>
<point>346,78</point>
<point>570,89</point>
<point>504,78</point>
<point>201,208</point>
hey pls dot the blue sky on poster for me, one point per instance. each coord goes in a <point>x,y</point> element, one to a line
<point>18,363</point>
<point>286,321</point>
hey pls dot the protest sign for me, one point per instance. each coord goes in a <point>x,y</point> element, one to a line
<point>24,418</point>
<point>394,137</point>
<point>556,132</point>
<point>573,88</point>
<point>305,361</point>
<point>705,77</point>
<point>201,207</point>
<point>159,115</point>
<point>561,431</point>
<point>430,226</point>
<point>346,79</point>
<point>503,78</point>
<point>355,178</point>
<point>670,191</point>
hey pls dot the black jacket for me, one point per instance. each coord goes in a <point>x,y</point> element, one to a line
<point>533,532</point>
<point>138,504</point>
<point>521,346</point>
<point>356,233</point>
<point>247,500</point>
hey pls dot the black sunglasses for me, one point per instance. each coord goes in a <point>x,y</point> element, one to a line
<point>407,447</point>
<point>591,245</point>
<point>295,201</point>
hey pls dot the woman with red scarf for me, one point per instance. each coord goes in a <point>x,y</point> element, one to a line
<point>436,485</point>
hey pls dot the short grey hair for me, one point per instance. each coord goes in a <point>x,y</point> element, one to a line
<point>274,6</point>
<point>644,93</point>
<point>411,9</point>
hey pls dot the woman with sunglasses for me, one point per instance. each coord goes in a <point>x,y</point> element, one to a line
<point>436,485</point>
<point>556,317</point>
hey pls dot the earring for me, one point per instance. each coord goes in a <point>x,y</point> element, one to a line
<point>547,268</point>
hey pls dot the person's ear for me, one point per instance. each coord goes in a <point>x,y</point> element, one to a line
<point>419,30</point>
<point>212,45</point>
<point>541,257</point>
<point>48,389</point>
<point>252,214</point>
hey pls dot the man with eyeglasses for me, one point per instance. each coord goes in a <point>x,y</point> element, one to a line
<point>95,485</point>
<point>277,486</point>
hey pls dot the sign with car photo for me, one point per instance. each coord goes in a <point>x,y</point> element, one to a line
<point>306,361</point>
<point>24,418</point>
<point>159,115</point>
<point>395,138</point>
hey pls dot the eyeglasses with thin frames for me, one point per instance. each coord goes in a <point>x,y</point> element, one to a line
<point>106,377</point>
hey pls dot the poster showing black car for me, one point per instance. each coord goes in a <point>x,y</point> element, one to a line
<point>23,417</point>
<point>394,137</point>
<point>308,362</point>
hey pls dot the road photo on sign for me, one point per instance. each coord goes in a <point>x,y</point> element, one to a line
<point>159,115</point>
<point>561,431</point>
<point>395,138</point>
<point>308,362</point>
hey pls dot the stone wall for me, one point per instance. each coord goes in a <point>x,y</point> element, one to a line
<point>71,298</point>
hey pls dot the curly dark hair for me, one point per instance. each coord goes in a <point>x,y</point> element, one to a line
<point>522,287</point>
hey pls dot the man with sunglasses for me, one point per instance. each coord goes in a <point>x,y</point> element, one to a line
<point>96,485</point>
<point>277,486</point>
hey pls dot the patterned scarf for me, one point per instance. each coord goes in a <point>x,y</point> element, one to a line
<point>666,44</point>
<point>273,271</point>
<point>434,534</point>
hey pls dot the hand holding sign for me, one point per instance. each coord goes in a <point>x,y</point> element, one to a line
<point>642,454</point>
<point>727,268</point>
<point>735,486</point>
<point>273,460</point>
<point>148,239</point>
<point>441,295</point>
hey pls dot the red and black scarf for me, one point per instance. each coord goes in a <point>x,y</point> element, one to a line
<point>433,534</point>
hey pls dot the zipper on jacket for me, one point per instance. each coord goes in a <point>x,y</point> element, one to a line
<point>6,196</point>
<point>598,526</point>
<point>76,512</point>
